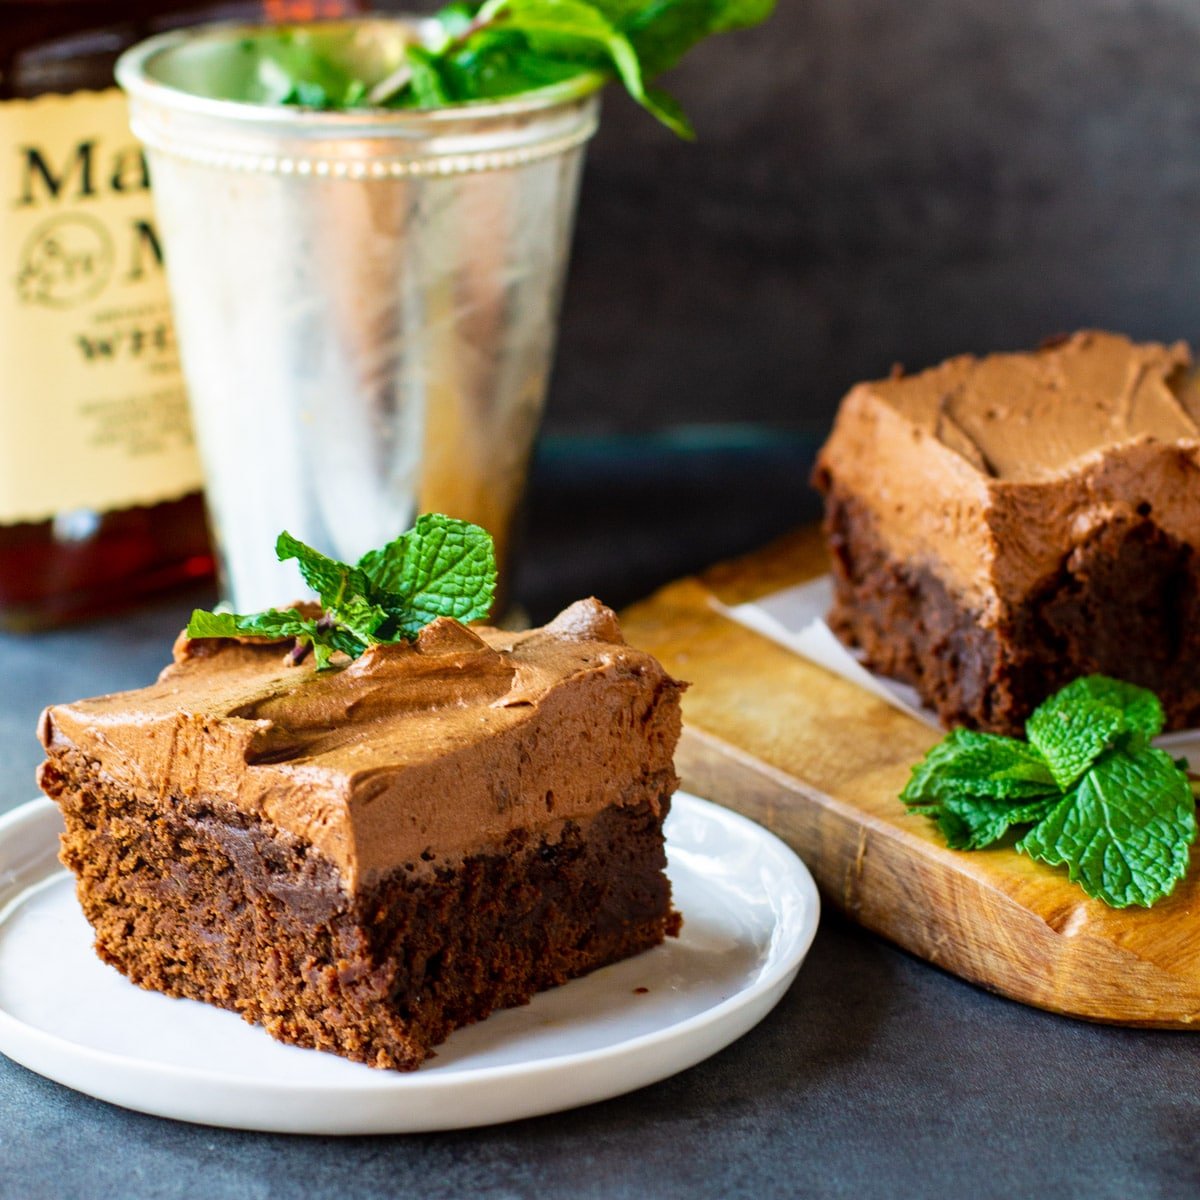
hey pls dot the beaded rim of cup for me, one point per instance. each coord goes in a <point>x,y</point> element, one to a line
<point>377,168</point>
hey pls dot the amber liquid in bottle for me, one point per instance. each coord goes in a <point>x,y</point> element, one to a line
<point>100,498</point>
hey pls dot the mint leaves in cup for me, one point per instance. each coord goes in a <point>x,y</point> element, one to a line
<point>1119,814</point>
<point>501,48</point>
<point>440,568</point>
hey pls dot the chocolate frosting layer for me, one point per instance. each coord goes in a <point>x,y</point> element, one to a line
<point>991,470</point>
<point>412,753</point>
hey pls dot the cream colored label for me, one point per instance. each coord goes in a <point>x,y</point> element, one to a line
<point>93,412</point>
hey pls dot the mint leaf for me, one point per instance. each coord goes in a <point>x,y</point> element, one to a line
<point>276,624</point>
<point>429,87</point>
<point>669,111</point>
<point>321,635</point>
<point>582,32</point>
<point>440,568</point>
<point>579,31</point>
<point>293,66</point>
<point>1072,736</point>
<point>975,785</point>
<point>345,593</point>
<point>305,94</point>
<point>1084,719</point>
<point>663,31</point>
<point>331,638</point>
<point>1143,711</point>
<point>357,619</point>
<point>334,582</point>
<point>1124,832</point>
<point>972,822</point>
<point>979,764</point>
<point>498,62</point>
<point>572,29</point>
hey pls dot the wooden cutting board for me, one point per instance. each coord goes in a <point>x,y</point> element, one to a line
<point>821,762</point>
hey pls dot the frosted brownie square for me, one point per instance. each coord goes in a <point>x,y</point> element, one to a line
<point>1001,525</point>
<point>364,859</point>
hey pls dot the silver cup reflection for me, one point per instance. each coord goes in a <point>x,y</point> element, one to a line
<point>366,302</point>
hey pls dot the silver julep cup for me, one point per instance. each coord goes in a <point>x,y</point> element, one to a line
<point>366,302</point>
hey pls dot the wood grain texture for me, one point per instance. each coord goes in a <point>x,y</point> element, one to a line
<point>821,763</point>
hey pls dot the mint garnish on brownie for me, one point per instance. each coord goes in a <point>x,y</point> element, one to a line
<point>1119,814</point>
<point>442,567</point>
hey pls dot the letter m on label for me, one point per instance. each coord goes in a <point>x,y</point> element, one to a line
<point>40,180</point>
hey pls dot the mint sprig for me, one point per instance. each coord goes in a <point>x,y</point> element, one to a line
<point>495,48</point>
<point>1117,813</point>
<point>442,567</point>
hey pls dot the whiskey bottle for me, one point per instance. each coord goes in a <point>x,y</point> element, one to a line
<point>100,485</point>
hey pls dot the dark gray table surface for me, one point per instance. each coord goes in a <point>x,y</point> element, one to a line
<point>877,1075</point>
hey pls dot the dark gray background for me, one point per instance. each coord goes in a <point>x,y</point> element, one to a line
<point>878,181</point>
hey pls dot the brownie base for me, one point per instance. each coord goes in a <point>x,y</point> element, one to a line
<point>204,901</point>
<point>1125,602</point>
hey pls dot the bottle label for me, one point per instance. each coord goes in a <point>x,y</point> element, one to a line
<point>93,411</point>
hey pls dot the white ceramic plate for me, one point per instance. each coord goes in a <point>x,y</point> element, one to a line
<point>750,911</point>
